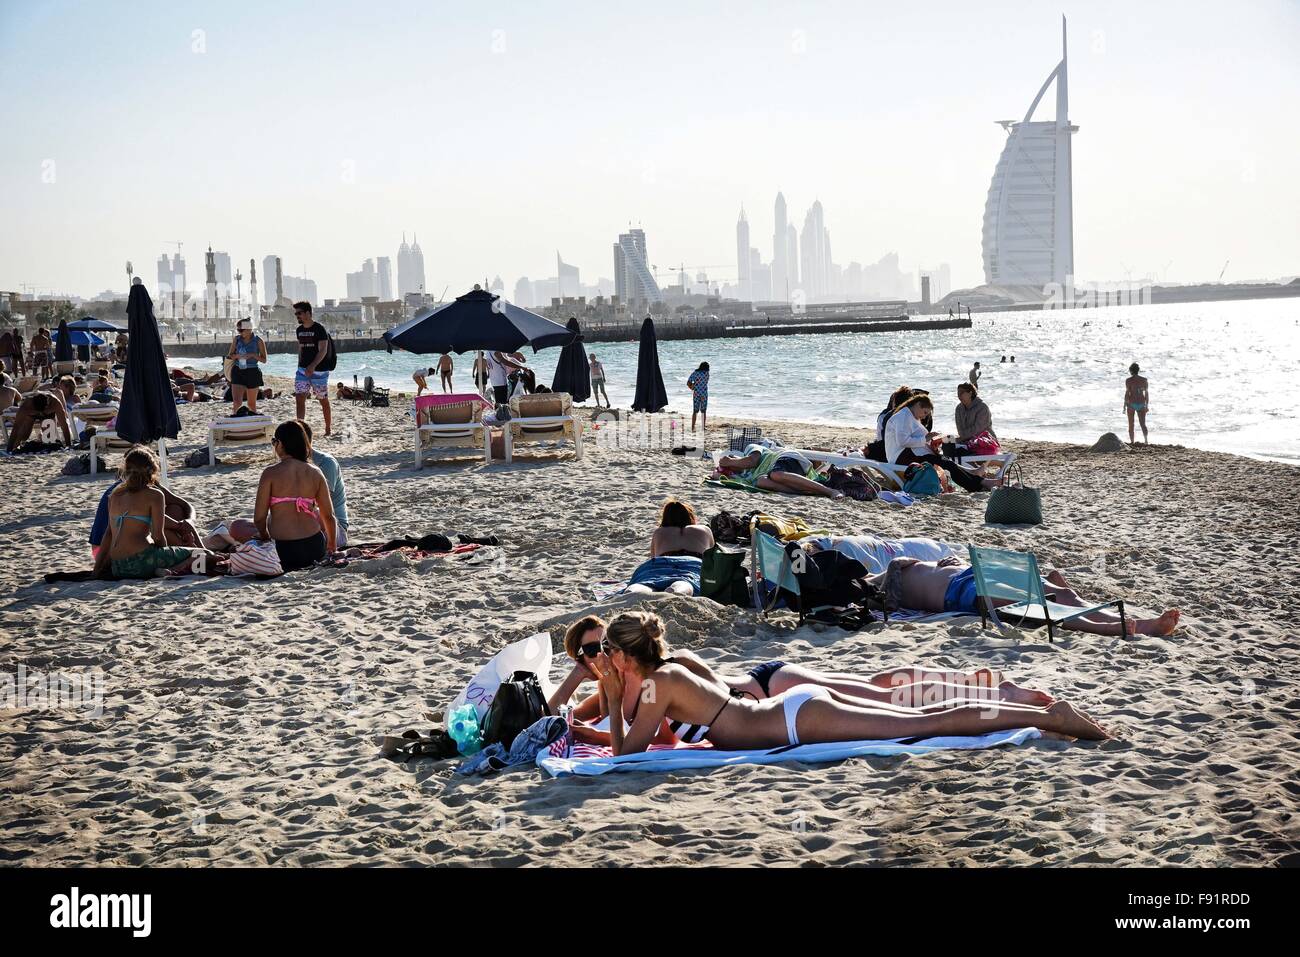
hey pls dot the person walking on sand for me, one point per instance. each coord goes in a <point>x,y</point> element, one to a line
<point>314,347</point>
<point>598,383</point>
<point>445,365</point>
<point>480,373</point>
<point>1137,398</point>
<point>975,375</point>
<point>698,383</point>
<point>247,351</point>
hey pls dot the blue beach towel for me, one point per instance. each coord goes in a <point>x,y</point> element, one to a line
<point>577,761</point>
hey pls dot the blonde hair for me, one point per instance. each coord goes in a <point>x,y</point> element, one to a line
<point>640,636</point>
<point>573,634</point>
<point>139,468</point>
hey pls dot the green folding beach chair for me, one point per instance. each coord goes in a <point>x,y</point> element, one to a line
<point>770,563</point>
<point>1002,574</point>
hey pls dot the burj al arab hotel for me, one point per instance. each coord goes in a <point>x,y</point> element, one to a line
<point>1029,215</point>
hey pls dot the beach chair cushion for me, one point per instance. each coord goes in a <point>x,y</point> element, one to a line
<point>457,413</point>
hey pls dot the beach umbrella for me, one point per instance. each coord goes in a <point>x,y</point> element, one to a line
<point>650,393</point>
<point>572,374</point>
<point>476,320</point>
<point>78,337</point>
<point>62,343</point>
<point>146,412</point>
<point>91,324</point>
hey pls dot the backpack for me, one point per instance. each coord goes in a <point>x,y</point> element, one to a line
<point>331,361</point>
<point>724,577</point>
<point>853,482</point>
<point>518,703</point>
<point>921,478</point>
<point>834,588</point>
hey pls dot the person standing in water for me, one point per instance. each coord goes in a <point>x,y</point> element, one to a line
<point>975,375</point>
<point>598,382</point>
<point>1137,398</point>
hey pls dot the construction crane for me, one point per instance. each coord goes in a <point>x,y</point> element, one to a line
<point>1223,270</point>
<point>683,268</point>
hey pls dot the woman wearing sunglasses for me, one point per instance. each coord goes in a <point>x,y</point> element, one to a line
<point>909,690</point>
<point>664,689</point>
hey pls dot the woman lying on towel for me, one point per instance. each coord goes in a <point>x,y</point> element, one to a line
<point>135,543</point>
<point>805,714</point>
<point>676,549</point>
<point>779,470</point>
<point>900,691</point>
<point>949,586</point>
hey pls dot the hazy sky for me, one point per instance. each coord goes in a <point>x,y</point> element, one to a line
<point>320,130</point>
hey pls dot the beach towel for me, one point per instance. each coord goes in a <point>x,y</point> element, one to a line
<point>566,760</point>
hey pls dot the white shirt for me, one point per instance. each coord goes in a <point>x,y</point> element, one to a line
<point>905,431</point>
<point>876,553</point>
<point>497,372</point>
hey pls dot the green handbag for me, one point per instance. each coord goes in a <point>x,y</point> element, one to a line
<point>1014,504</point>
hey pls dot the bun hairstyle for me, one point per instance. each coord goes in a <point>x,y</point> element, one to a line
<point>139,468</point>
<point>677,514</point>
<point>292,439</point>
<point>640,636</point>
<point>574,634</point>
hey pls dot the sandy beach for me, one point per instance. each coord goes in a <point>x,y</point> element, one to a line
<point>241,718</point>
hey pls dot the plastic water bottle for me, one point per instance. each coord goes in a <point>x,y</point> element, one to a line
<point>464,730</point>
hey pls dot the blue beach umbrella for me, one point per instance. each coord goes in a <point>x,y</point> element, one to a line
<point>78,337</point>
<point>476,320</point>
<point>91,324</point>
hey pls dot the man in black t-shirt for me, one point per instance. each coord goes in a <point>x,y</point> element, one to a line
<point>313,347</point>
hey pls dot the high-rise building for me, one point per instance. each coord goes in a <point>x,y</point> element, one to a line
<point>568,280</point>
<point>1029,214</point>
<point>384,274</point>
<point>268,280</point>
<point>633,280</point>
<point>792,276</point>
<point>523,292</point>
<point>364,283</point>
<point>743,261</point>
<point>410,267</point>
<point>225,278</point>
<point>815,266</point>
<point>780,275</point>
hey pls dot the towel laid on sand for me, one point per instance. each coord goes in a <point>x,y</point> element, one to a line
<point>586,759</point>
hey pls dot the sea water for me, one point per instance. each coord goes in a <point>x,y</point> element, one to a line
<point>1224,376</point>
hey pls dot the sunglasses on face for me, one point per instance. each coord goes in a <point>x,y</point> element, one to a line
<point>590,650</point>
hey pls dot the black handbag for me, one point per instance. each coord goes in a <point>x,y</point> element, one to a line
<point>1016,504</point>
<point>517,704</point>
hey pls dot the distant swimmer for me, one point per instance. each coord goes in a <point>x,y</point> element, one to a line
<point>1137,398</point>
<point>1004,358</point>
<point>975,375</point>
<point>1013,358</point>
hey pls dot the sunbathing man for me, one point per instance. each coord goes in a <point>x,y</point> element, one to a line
<point>39,407</point>
<point>779,470</point>
<point>805,714</point>
<point>904,690</point>
<point>949,586</point>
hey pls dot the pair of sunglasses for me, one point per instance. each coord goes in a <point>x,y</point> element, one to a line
<point>589,650</point>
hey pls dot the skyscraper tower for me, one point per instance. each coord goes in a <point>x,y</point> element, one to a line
<point>743,270</point>
<point>634,283</point>
<point>252,292</point>
<point>164,286</point>
<point>780,276</point>
<point>1029,214</point>
<point>791,258</point>
<point>816,266</point>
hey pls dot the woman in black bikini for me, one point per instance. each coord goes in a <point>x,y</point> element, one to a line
<point>806,714</point>
<point>905,690</point>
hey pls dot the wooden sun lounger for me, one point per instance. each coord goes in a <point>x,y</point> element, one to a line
<point>893,474</point>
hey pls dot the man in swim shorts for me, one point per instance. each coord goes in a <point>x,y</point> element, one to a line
<point>313,346</point>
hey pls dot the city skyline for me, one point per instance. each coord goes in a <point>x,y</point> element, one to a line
<point>1184,167</point>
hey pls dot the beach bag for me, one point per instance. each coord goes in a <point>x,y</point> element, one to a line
<point>922,478</point>
<point>1016,504</point>
<point>740,439</point>
<point>853,482</point>
<point>517,705</point>
<point>255,558</point>
<point>983,444</point>
<point>724,577</point>
<point>527,654</point>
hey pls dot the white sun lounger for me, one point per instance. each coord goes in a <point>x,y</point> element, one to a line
<point>94,413</point>
<point>543,417</point>
<point>893,474</point>
<point>232,430</point>
<point>455,426</point>
<point>111,440</point>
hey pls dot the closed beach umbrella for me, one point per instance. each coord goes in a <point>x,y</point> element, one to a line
<point>650,393</point>
<point>62,343</point>
<point>146,411</point>
<point>476,320</point>
<point>572,374</point>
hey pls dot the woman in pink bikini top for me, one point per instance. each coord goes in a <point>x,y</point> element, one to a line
<point>289,497</point>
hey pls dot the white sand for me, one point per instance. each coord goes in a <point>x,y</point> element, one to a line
<point>241,718</point>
